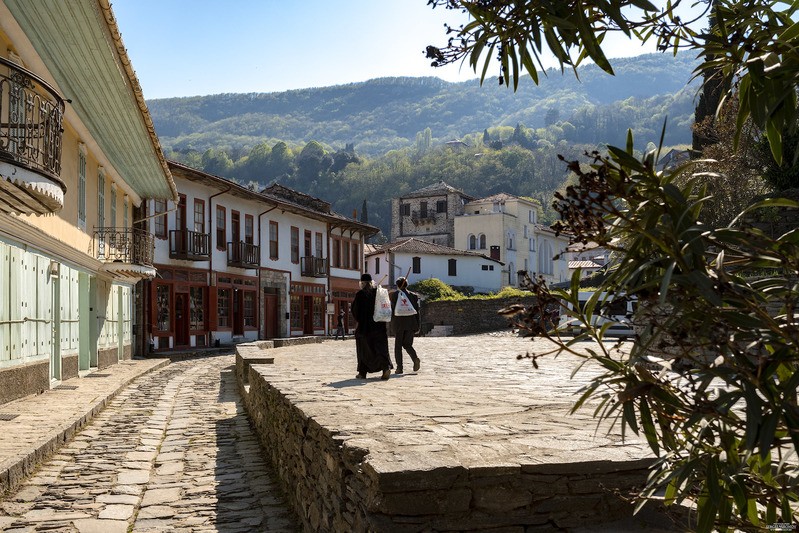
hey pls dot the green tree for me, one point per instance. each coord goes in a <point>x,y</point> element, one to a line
<point>217,162</point>
<point>281,162</point>
<point>716,304</point>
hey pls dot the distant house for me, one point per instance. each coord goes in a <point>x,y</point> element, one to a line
<point>506,227</point>
<point>77,145</point>
<point>428,213</point>
<point>587,257</point>
<point>421,259</point>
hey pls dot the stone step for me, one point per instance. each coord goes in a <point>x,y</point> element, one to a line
<point>440,331</point>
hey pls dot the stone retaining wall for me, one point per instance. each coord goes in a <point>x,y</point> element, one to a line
<point>333,484</point>
<point>469,316</point>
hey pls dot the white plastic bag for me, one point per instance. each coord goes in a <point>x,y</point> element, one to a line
<point>382,306</point>
<point>404,307</point>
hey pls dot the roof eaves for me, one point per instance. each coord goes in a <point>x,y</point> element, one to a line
<point>116,36</point>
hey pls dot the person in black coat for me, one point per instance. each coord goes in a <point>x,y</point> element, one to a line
<point>405,322</point>
<point>371,338</point>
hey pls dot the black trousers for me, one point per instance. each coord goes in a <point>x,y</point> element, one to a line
<point>403,339</point>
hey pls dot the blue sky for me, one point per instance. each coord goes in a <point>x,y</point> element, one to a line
<point>200,47</point>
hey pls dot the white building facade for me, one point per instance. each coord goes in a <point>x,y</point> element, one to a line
<point>240,265</point>
<point>419,259</point>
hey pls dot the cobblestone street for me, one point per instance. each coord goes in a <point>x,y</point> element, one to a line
<point>172,452</point>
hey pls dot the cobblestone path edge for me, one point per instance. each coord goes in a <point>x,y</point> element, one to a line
<point>14,470</point>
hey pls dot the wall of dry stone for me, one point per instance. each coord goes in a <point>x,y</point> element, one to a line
<point>469,316</point>
<point>332,486</point>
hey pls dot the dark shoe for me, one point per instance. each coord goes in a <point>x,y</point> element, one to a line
<point>386,374</point>
<point>360,376</point>
<point>398,371</point>
<point>416,364</point>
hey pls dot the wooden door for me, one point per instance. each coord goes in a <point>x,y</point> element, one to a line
<point>181,319</point>
<point>270,316</point>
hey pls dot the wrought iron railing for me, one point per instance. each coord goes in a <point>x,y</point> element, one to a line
<point>31,115</point>
<point>124,245</point>
<point>314,267</point>
<point>244,255</point>
<point>186,244</point>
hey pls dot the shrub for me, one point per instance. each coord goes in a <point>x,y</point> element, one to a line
<point>433,289</point>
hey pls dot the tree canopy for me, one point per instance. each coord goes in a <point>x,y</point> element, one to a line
<point>711,376</point>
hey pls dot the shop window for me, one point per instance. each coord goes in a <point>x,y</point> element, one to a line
<point>318,312</point>
<point>249,309</point>
<point>296,312</point>
<point>163,307</point>
<point>223,308</point>
<point>196,308</point>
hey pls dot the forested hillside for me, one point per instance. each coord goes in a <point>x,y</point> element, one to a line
<point>367,142</point>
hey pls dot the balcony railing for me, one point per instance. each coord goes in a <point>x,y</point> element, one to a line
<point>124,245</point>
<point>243,255</point>
<point>313,267</point>
<point>191,245</point>
<point>31,114</point>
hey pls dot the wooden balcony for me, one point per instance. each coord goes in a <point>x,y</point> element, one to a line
<point>243,255</point>
<point>313,267</point>
<point>189,245</point>
<point>125,252</point>
<point>31,117</point>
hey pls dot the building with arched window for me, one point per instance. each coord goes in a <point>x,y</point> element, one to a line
<point>508,228</point>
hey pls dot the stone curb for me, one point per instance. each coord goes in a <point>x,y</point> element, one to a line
<point>15,469</point>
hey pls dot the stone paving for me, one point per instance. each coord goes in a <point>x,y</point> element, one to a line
<point>172,452</point>
<point>473,405</point>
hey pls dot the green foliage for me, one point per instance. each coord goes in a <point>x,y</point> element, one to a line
<point>720,416</point>
<point>433,289</point>
<point>750,46</point>
<point>388,114</point>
